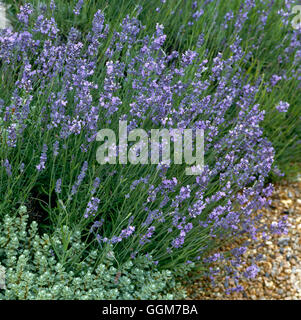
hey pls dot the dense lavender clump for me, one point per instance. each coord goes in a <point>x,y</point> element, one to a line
<point>62,91</point>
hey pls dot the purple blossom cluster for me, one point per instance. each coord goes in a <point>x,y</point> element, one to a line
<point>78,7</point>
<point>124,234</point>
<point>7,167</point>
<point>282,106</point>
<point>147,85</point>
<point>146,237</point>
<point>92,207</point>
<point>43,158</point>
<point>80,178</point>
<point>58,186</point>
<point>251,271</point>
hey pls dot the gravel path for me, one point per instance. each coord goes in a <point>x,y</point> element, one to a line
<point>280,269</point>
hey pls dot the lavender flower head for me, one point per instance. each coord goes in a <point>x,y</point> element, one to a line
<point>58,186</point>
<point>43,158</point>
<point>251,272</point>
<point>78,7</point>
<point>7,167</point>
<point>282,106</point>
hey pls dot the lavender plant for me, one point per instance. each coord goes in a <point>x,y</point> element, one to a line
<point>263,29</point>
<point>60,88</point>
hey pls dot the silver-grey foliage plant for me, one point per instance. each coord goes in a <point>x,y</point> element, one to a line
<point>34,271</point>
